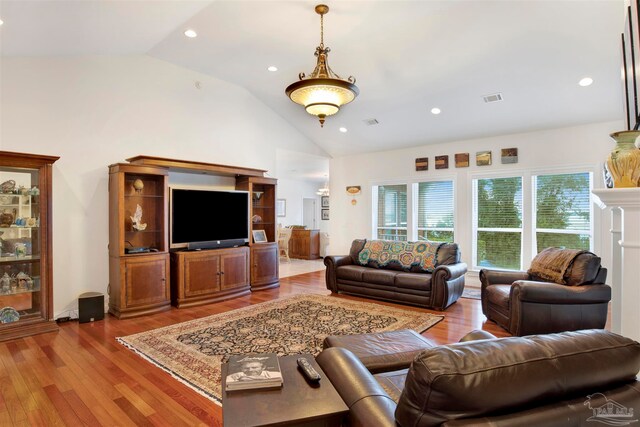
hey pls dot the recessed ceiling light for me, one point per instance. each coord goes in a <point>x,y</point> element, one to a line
<point>587,81</point>
<point>343,130</point>
<point>1,22</point>
<point>191,34</point>
<point>435,110</point>
<point>272,68</point>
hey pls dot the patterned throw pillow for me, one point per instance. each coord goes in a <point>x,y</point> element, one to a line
<point>407,256</point>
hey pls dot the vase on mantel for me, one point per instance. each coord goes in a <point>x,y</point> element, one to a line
<point>623,162</point>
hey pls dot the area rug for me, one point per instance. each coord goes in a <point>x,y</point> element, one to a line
<point>471,293</point>
<point>193,351</point>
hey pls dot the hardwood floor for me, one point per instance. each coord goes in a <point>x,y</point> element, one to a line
<point>82,376</point>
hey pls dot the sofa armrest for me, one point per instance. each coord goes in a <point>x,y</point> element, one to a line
<point>553,293</point>
<point>333,262</point>
<point>447,284</point>
<point>493,277</point>
<point>369,404</point>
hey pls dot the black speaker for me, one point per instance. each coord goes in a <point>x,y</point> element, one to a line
<point>90,307</point>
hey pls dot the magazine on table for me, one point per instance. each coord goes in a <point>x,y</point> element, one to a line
<point>250,371</point>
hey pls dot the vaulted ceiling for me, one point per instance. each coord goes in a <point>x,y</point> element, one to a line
<point>407,56</point>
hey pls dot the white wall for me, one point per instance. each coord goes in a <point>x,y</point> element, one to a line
<point>584,146</point>
<point>294,191</point>
<point>94,111</point>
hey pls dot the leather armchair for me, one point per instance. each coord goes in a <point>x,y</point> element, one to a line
<point>524,304</point>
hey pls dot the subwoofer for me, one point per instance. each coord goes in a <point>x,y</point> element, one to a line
<point>90,307</point>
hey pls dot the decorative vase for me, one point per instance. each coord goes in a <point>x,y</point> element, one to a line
<point>623,162</point>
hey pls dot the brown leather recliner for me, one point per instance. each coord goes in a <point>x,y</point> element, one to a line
<point>564,379</point>
<point>525,304</point>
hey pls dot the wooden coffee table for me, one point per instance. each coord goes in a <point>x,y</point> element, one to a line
<point>298,402</point>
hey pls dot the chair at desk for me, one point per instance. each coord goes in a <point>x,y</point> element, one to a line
<point>284,234</point>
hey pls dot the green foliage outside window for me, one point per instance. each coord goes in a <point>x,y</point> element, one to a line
<point>499,203</point>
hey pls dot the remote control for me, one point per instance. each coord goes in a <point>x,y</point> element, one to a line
<point>308,370</point>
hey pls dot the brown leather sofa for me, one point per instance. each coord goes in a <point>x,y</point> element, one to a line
<point>437,290</point>
<point>524,304</point>
<point>563,379</point>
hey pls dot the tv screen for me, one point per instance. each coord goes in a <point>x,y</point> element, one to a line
<point>200,216</point>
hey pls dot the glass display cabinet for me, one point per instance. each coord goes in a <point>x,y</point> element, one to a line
<point>26,264</point>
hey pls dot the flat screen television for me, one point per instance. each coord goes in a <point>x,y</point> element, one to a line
<point>204,219</point>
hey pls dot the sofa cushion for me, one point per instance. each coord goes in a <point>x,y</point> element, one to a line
<point>395,255</point>
<point>392,382</point>
<point>413,281</point>
<point>583,270</point>
<point>379,277</point>
<point>356,247</point>
<point>476,378</point>
<point>350,272</point>
<point>382,351</point>
<point>498,295</point>
<point>448,254</point>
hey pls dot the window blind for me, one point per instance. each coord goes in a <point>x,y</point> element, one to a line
<point>392,212</point>
<point>563,210</point>
<point>498,222</point>
<point>435,211</point>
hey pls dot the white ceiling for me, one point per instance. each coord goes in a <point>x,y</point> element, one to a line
<point>407,56</point>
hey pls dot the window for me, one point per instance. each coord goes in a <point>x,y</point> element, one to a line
<point>392,212</point>
<point>497,219</point>
<point>435,211</point>
<point>563,211</point>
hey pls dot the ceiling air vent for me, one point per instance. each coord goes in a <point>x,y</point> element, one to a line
<point>371,122</point>
<point>495,97</point>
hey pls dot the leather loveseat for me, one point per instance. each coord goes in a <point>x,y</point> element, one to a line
<point>563,379</point>
<point>435,288</point>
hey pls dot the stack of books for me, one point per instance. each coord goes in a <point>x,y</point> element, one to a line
<point>252,371</point>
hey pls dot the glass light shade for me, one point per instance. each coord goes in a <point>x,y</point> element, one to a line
<point>322,109</point>
<point>322,96</point>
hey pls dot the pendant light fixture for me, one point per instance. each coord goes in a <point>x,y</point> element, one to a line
<point>323,92</point>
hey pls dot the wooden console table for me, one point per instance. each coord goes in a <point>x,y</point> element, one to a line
<point>304,244</point>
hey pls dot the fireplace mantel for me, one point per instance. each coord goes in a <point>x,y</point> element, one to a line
<point>624,204</point>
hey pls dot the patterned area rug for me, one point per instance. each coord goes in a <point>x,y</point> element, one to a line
<point>193,351</point>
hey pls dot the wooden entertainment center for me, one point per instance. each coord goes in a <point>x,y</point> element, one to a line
<point>150,281</point>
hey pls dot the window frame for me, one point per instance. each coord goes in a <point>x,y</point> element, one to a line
<point>474,216</point>
<point>412,203</point>
<point>534,213</point>
<point>529,249</point>
<point>415,208</point>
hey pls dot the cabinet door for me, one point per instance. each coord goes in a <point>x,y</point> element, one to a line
<point>234,269</point>
<point>202,274</point>
<point>264,264</point>
<point>146,280</point>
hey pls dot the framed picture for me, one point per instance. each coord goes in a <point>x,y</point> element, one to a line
<point>442,162</point>
<point>324,201</point>
<point>422,164</point>
<point>462,160</point>
<point>483,158</point>
<point>259,236</point>
<point>325,214</point>
<point>281,207</point>
<point>509,155</point>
